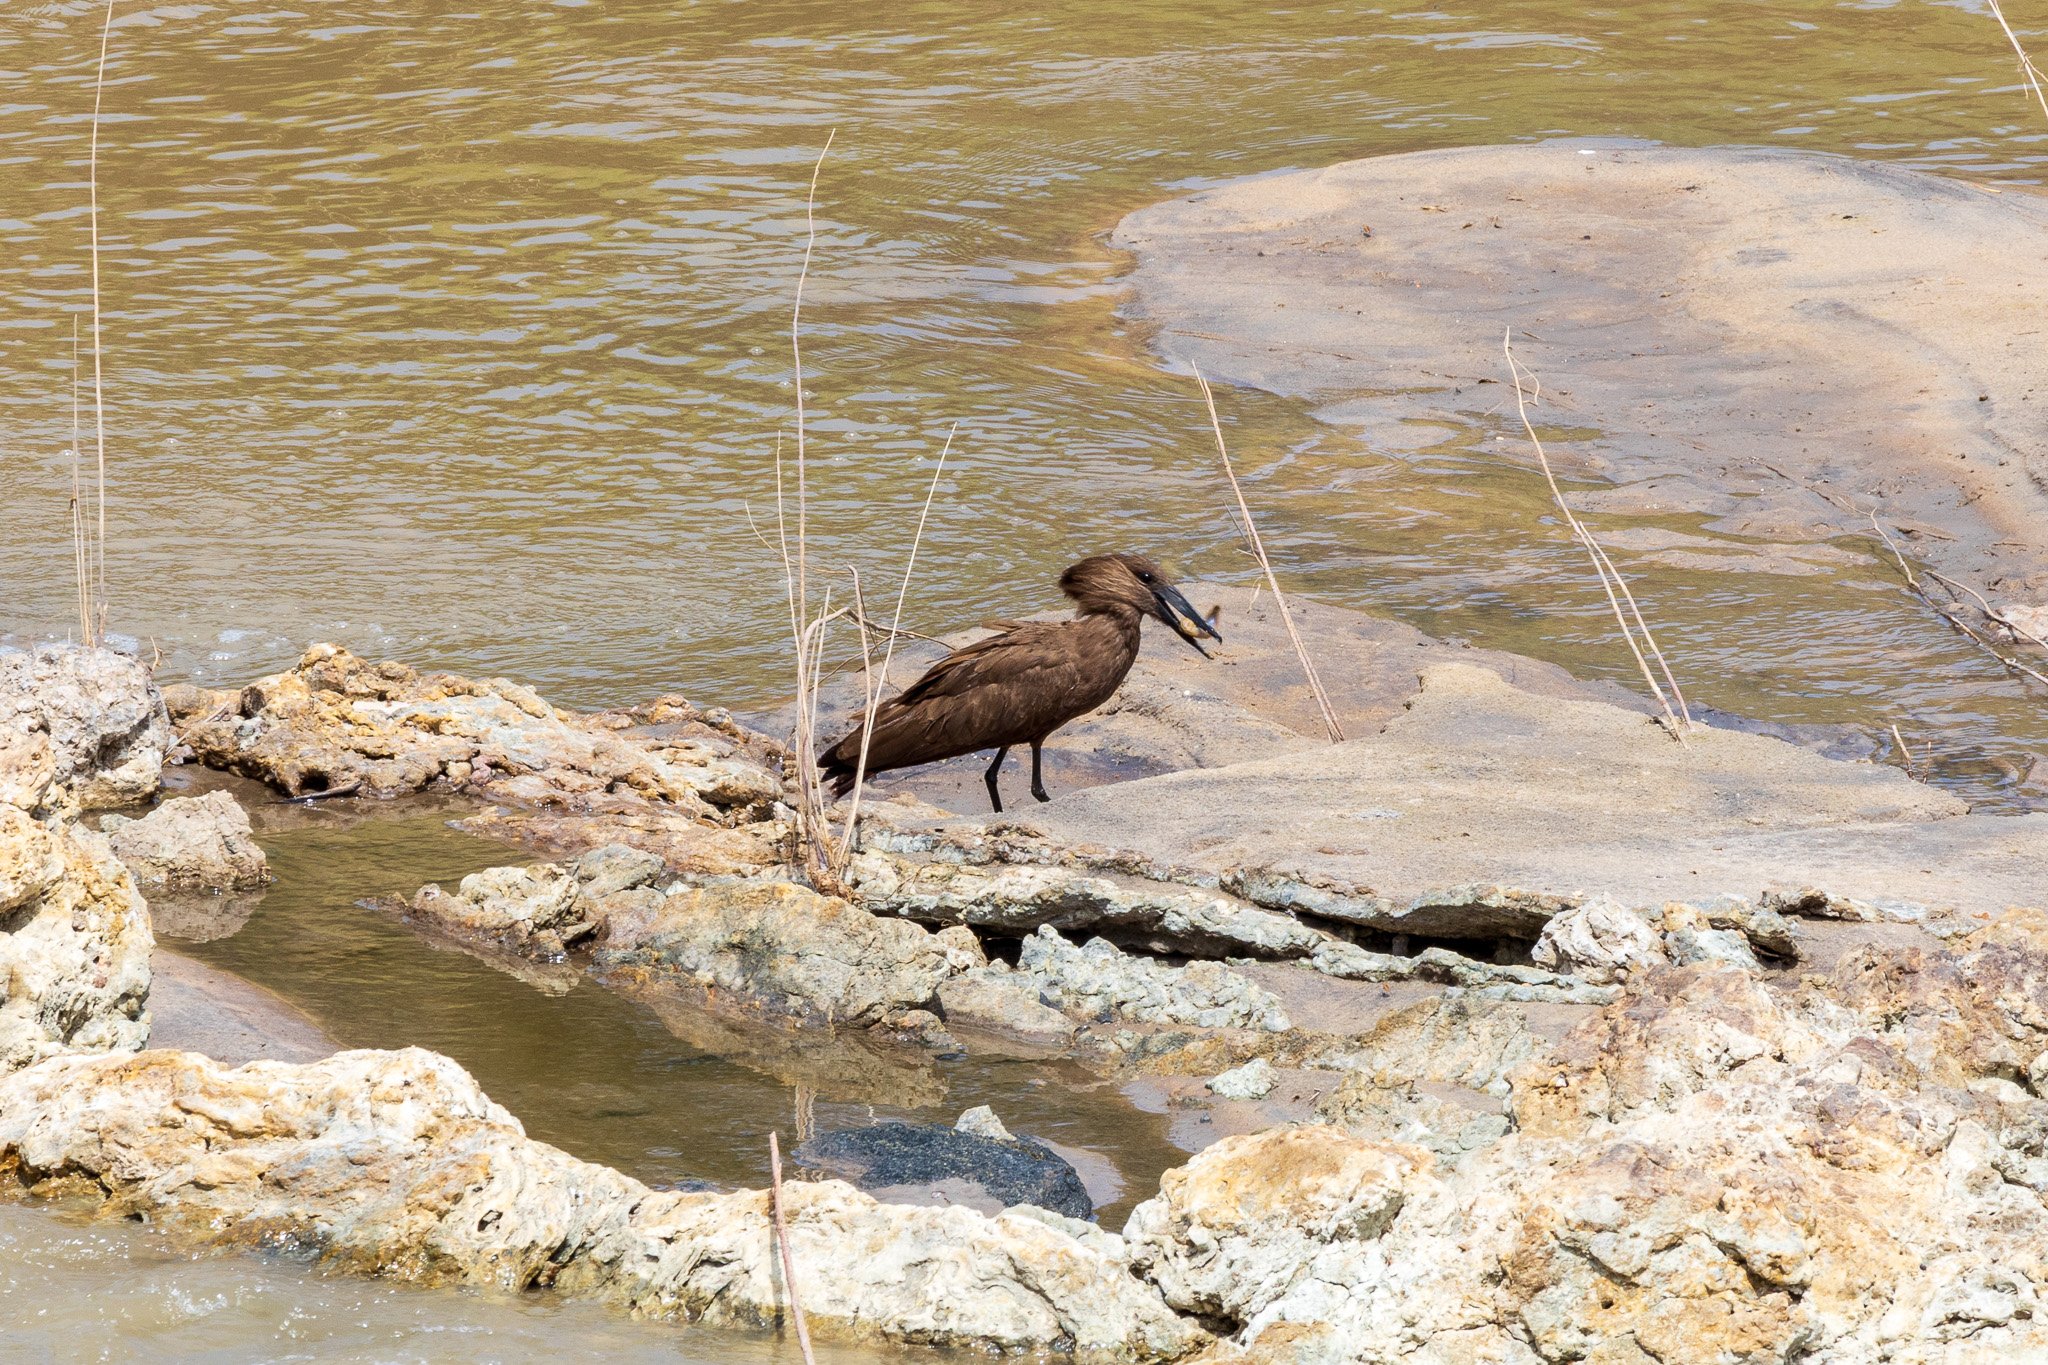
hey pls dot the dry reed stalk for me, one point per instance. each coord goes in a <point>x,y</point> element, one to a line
<point>2029,73</point>
<point>1904,752</point>
<point>1308,668</point>
<point>796,1307</point>
<point>80,556</point>
<point>1610,579</point>
<point>813,829</point>
<point>872,684</point>
<point>99,402</point>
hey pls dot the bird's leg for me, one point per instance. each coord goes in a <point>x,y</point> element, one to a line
<point>1037,782</point>
<point>995,795</point>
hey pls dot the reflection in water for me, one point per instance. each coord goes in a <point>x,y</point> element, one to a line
<point>651,1085</point>
<point>462,337</point>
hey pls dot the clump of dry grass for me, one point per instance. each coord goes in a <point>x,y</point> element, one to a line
<point>1634,629</point>
<point>1258,549</point>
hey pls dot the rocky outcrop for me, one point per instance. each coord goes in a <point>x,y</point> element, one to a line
<point>395,1163</point>
<point>74,933</point>
<point>542,909</point>
<point>1016,899</point>
<point>101,716</point>
<point>660,776</point>
<point>74,944</point>
<point>1604,941</point>
<point>201,843</point>
<point>1850,1168</point>
<point>1097,982</point>
<point>785,946</point>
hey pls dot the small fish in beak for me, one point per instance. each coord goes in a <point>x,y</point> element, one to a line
<point>1180,613</point>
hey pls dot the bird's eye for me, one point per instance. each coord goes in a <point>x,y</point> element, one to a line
<point>1144,577</point>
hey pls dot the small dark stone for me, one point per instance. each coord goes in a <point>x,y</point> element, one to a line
<point>1015,1172</point>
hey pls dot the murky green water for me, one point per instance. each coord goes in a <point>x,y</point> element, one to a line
<point>460,335</point>
<point>651,1084</point>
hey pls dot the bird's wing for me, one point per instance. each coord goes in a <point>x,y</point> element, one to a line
<point>1025,647</point>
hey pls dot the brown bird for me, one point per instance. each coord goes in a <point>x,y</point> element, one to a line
<point>1019,686</point>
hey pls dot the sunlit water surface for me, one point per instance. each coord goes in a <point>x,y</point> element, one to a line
<point>461,335</point>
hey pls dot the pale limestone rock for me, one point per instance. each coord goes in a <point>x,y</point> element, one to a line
<point>542,909</point>
<point>994,999</point>
<point>692,786</point>
<point>1252,1081</point>
<point>1238,1226</point>
<point>1599,940</point>
<point>981,1121</point>
<point>1018,899</point>
<point>103,718</point>
<point>396,1164</point>
<point>784,945</point>
<point>191,842</point>
<point>1098,982</point>
<point>1707,1170</point>
<point>74,944</point>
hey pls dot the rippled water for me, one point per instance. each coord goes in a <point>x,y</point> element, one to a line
<point>461,335</point>
<point>74,1290</point>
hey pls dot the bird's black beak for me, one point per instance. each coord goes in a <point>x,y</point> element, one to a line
<point>1180,613</point>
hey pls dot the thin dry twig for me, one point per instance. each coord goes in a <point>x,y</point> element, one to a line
<point>1946,613</point>
<point>99,401</point>
<point>796,1307</point>
<point>1610,580</point>
<point>874,685</point>
<point>1308,668</point>
<point>2029,73</point>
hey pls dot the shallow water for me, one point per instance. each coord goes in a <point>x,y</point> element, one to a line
<point>75,1290</point>
<point>599,1073</point>
<point>463,337</point>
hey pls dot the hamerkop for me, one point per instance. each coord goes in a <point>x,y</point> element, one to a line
<point>1019,686</point>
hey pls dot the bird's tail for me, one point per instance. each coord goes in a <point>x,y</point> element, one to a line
<point>837,763</point>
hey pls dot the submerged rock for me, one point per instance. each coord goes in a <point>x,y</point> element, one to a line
<point>102,717</point>
<point>541,909</point>
<point>191,843</point>
<point>396,1164</point>
<point>915,1162</point>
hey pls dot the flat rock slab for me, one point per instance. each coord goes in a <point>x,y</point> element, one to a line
<point>1479,782</point>
<point>1699,315</point>
<point>1178,710</point>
